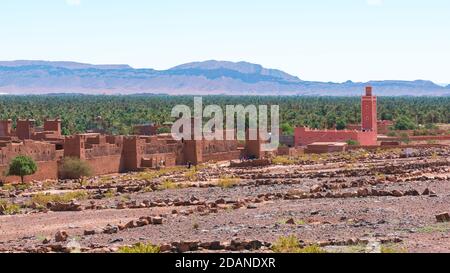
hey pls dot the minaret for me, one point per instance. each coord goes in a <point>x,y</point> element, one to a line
<point>369,111</point>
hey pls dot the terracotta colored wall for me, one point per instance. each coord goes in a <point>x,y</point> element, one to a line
<point>154,161</point>
<point>192,151</point>
<point>46,170</point>
<point>225,156</point>
<point>133,149</point>
<point>106,164</point>
<point>5,128</point>
<point>322,149</point>
<point>25,129</point>
<point>39,151</point>
<point>53,126</point>
<point>305,136</point>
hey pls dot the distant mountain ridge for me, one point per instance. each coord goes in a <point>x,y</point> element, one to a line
<point>197,78</point>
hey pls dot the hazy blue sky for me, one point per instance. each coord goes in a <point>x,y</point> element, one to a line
<point>326,40</point>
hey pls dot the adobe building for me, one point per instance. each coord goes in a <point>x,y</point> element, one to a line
<point>26,129</point>
<point>366,136</point>
<point>109,154</point>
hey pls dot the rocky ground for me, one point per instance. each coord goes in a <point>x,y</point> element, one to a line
<point>380,201</point>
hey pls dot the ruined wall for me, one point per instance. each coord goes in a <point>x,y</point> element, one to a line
<point>38,151</point>
<point>224,156</point>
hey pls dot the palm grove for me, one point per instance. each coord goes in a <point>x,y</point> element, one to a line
<point>118,114</point>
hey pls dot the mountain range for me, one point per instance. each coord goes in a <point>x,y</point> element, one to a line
<point>198,78</point>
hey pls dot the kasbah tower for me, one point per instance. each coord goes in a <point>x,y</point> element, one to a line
<point>369,111</point>
<point>366,133</point>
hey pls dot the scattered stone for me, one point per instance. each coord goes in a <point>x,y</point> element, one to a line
<point>131,224</point>
<point>109,229</point>
<point>290,222</point>
<point>115,241</point>
<point>142,222</point>
<point>89,232</point>
<point>316,189</point>
<point>165,248</point>
<point>443,217</point>
<point>397,193</point>
<point>58,207</point>
<point>157,220</point>
<point>47,240</point>
<point>121,206</point>
<point>61,236</point>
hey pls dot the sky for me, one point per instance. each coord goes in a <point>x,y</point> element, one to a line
<point>320,40</point>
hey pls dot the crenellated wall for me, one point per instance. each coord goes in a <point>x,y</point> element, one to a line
<point>305,136</point>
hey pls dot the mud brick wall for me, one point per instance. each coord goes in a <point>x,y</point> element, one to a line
<point>225,156</point>
<point>106,164</point>
<point>323,149</point>
<point>193,151</point>
<point>25,129</point>
<point>46,170</point>
<point>155,160</point>
<point>39,151</point>
<point>6,128</point>
<point>305,136</point>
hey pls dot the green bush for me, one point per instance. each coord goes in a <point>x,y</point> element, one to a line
<point>140,248</point>
<point>74,168</point>
<point>7,208</point>
<point>44,199</point>
<point>287,129</point>
<point>404,123</point>
<point>291,244</point>
<point>352,142</point>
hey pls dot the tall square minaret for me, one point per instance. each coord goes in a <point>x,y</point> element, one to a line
<point>369,116</point>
